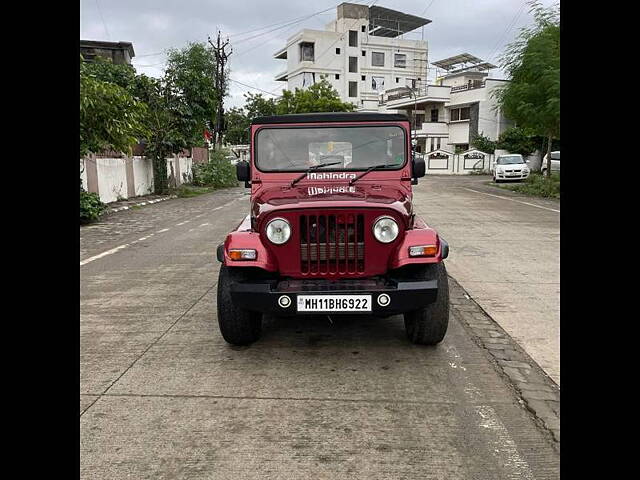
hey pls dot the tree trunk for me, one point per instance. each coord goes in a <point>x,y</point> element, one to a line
<point>160,184</point>
<point>549,156</point>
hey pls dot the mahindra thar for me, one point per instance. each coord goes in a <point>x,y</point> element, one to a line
<point>332,228</point>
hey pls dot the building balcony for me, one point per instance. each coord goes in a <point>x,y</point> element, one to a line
<point>281,77</point>
<point>431,129</point>
<point>281,54</point>
<point>404,97</point>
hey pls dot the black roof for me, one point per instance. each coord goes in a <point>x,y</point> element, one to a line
<point>331,117</point>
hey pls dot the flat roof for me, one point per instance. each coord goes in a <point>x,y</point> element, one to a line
<point>321,117</point>
<point>108,45</point>
<point>451,62</point>
<point>384,22</point>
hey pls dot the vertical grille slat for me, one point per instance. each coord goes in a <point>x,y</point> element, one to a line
<point>332,244</point>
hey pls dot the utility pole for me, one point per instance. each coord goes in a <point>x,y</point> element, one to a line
<point>221,57</point>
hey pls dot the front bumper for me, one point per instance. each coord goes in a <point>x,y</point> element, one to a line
<point>405,296</point>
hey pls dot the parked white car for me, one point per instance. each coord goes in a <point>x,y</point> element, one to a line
<point>510,167</point>
<point>555,162</point>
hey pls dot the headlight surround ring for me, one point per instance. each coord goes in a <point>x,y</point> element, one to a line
<point>278,231</point>
<point>385,229</point>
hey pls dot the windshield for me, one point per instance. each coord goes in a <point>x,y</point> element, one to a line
<point>510,160</point>
<point>351,148</point>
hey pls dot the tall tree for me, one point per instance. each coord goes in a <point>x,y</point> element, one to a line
<point>110,117</point>
<point>189,74</point>
<point>258,106</point>
<point>532,97</point>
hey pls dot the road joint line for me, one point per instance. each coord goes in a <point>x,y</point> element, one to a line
<point>511,199</point>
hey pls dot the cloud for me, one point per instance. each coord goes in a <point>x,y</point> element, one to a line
<point>479,27</point>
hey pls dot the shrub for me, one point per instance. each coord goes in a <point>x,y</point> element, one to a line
<point>217,173</point>
<point>538,185</point>
<point>90,207</point>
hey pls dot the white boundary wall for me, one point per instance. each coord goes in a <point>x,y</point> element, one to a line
<point>114,180</point>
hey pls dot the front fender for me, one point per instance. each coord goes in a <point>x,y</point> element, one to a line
<point>244,237</point>
<point>420,234</point>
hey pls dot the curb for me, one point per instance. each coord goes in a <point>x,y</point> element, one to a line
<point>148,202</point>
<point>537,392</point>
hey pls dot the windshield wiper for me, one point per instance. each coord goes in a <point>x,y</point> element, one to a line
<point>310,169</point>
<point>370,169</point>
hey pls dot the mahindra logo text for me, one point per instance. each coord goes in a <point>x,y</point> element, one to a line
<point>331,176</point>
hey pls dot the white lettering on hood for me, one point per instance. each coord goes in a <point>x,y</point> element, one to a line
<point>331,176</point>
<point>330,189</point>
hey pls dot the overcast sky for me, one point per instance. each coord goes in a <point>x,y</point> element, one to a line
<point>479,27</point>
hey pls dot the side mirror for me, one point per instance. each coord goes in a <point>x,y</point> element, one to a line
<point>243,171</point>
<point>418,167</point>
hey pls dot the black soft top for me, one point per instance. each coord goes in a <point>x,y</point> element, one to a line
<point>331,117</point>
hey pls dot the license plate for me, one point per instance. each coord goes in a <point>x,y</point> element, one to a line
<point>334,303</point>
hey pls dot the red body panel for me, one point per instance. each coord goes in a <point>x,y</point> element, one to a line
<point>318,200</point>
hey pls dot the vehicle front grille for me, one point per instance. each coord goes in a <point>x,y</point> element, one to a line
<point>332,243</point>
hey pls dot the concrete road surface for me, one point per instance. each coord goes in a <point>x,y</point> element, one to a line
<point>505,251</point>
<point>164,397</point>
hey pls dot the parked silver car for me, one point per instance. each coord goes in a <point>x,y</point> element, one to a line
<point>555,162</point>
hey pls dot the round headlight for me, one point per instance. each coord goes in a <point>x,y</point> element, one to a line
<point>278,231</point>
<point>385,229</point>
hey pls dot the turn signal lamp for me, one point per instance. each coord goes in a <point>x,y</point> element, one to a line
<point>242,254</point>
<point>423,251</point>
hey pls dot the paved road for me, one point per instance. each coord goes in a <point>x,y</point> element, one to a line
<point>505,251</point>
<point>163,396</point>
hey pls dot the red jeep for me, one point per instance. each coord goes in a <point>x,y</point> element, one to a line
<point>332,228</point>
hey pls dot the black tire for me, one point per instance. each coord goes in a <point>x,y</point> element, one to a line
<point>237,326</point>
<point>428,325</point>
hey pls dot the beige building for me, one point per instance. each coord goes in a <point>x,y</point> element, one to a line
<point>361,53</point>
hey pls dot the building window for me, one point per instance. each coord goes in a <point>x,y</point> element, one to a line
<point>337,76</point>
<point>397,79</point>
<point>306,52</point>
<point>364,53</point>
<point>337,51</point>
<point>419,120</point>
<point>353,64</point>
<point>432,144</point>
<point>434,114</point>
<point>411,82</point>
<point>400,60</point>
<point>363,28</point>
<point>353,38</point>
<point>363,78</point>
<point>377,83</point>
<point>353,89</point>
<point>460,113</point>
<point>438,144</point>
<point>377,59</point>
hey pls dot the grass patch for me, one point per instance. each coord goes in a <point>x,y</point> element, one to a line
<point>187,191</point>
<point>536,185</point>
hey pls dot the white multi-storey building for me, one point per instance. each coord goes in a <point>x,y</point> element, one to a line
<point>449,114</point>
<point>360,54</point>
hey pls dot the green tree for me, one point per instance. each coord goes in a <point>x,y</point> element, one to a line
<point>110,117</point>
<point>518,140</point>
<point>320,97</point>
<point>532,97</point>
<point>170,125</point>
<point>483,143</point>
<point>237,125</point>
<point>105,70</point>
<point>258,106</point>
<point>189,75</point>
